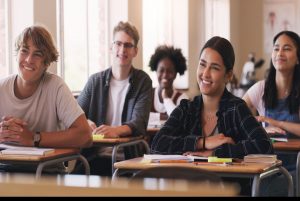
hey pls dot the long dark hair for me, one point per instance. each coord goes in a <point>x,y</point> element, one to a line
<point>270,91</point>
<point>224,48</point>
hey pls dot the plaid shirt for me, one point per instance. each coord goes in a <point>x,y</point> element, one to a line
<point>183,129</point>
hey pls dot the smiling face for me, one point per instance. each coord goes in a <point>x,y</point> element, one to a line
<point>123,49</point>
<point>211,73</point>
<point>284,55</point>
<point>31,62</point>
<point>166,73</point>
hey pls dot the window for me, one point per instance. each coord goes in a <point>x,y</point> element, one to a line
<point>85,31</point>
<point>165,22</point>
<point>3,39</point>
<point>217,18</point>
<point>12,22</point>
<point>82,40</point>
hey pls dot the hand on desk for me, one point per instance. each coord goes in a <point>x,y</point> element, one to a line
<point>107,131</point>
<point>15,130</point>
<point>199,153</point>
<point>215,141</point>
<point>271,130</point>
<point>92,125</point>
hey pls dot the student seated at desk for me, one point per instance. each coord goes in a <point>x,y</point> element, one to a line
<point>277,99</point>
<point>37,107</point>
<point>117,101</point>
<point>167,62</point>
<point>216,122</point>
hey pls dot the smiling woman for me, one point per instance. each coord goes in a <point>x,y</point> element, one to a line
<point>191,126</point>
<point>167,62</point>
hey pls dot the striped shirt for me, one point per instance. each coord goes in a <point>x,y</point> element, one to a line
<point>183,129</point>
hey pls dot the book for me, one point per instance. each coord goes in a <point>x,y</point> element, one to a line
<point>20,150</point>
<point>260,158</point>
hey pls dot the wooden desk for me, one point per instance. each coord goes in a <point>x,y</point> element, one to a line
<point>81,185</point>
<point>117,143</point>
<point>256,171</point>
<point>58,156</point>
<point>292,146</point>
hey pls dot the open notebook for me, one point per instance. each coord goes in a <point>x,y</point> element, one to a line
<point>158,157</point>
<point>20,150</point>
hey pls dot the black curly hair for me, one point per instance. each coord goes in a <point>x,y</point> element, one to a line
<point>174,54</point>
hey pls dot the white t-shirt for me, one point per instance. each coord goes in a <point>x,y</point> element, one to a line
<point>52,107</point>
<point>168,105</point>
<point>248,70</point>
<point>255,94</point>
<point>116,98</point>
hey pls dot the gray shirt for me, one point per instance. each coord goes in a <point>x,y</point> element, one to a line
<point>94,100</point>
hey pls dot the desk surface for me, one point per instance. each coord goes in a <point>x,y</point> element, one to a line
<point>152,130</point>
<point>80,185</point>
<point>246,168</point>
<point>116,140</point>
<point>58,153</point>
<point>291,145</point>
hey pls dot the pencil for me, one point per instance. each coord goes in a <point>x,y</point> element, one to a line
<point>172,161</point>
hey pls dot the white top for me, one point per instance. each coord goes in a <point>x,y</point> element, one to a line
<point>52,107</point>
<point>168,105</point>
<point>116,98</point>
<point>248,70</point>
<point>255,94</point>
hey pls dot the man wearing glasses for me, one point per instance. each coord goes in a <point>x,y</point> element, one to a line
<point>117,101</point>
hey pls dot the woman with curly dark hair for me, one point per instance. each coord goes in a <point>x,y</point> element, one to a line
<point>167,61</point>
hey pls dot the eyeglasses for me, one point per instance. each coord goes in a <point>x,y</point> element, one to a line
<point>118,45</point>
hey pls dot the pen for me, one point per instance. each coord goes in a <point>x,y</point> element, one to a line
<point>214,163</point>
<point>172,161</point>
<point>218,163</point>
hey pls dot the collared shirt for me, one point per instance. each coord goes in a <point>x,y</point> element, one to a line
<point>135,113</point>
<point>183,129</point>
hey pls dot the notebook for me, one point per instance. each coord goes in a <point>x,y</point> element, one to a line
<point>159,157</point>
<point>20,150</point>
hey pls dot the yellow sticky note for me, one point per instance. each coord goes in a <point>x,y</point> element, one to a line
<point>98,136</point>
<point>220,160</point>
<point>144,160</point>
